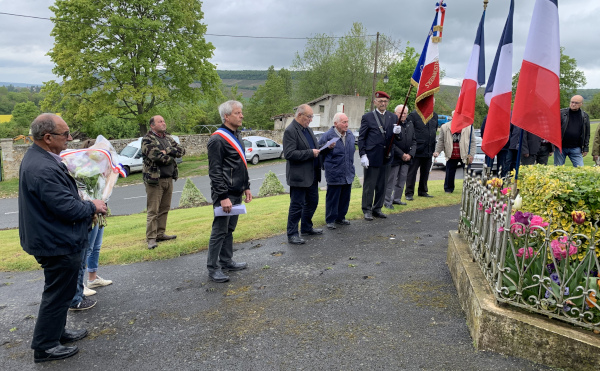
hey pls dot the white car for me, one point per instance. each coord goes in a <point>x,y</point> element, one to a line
<point>131,156</point>
<point>440,160</point>
<point>479,160</point>
<point>261,148</point>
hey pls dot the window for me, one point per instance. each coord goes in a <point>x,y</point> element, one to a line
<point>247,144</point>
<point>261,143</point>
<point>270,143</point>
<point>321,109</point>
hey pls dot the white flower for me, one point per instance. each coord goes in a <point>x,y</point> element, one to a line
<point>518,203</point>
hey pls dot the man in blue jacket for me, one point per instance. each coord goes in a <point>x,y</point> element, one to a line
<point>53,227</point>
<point>338,163</point>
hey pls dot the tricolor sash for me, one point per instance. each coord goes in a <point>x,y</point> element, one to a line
<point>233,141</point>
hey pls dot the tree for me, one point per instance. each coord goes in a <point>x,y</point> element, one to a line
<point>270,99</point>
<point>399,74</point>
<point>24,113</point>
<point>570,79</point>
<point>593,107</point>
<point>345,67</point>
<point>127,58</point>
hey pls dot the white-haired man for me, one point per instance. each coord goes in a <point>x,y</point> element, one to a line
<point>229,181</point>
<point>405,146</point>
<point>338,163</point>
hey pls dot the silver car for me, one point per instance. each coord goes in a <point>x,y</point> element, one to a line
<point>261,148</point>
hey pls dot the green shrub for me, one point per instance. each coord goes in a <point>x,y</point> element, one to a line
<point>271,186</point>
<point>356,182</point>
<point>191,196</point>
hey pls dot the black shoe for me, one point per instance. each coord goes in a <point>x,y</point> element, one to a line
<point>331,226</point>
<point>399,203</point>
<point>409,198</point>
<point>389,206</point>
<point>52,354</point>
<point>84,304</point>
<point>218,276</point>
<point>296,240</point>
<point>449,191</point>
<point>379,214</point>
<point>70,336</point>
<point>368,216</point>
<point>165,237</point>
<point>343,222</point>
<point>313,232</point>
<point>233,266</point>
<point>426,195</point>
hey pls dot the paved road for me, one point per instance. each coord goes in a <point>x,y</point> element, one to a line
<point>131,199</point>
<point>370,296</point>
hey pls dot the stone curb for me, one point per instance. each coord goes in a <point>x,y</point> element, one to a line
<point>510,331</point>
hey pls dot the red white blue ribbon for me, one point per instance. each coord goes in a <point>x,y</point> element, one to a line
<point>233,141</point>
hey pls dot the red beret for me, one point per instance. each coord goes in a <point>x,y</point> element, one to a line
<point>381,94</point>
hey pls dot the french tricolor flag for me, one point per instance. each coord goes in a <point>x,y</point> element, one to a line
<point>498,92</point>
<point>537,101</point>
<point>464,114</point>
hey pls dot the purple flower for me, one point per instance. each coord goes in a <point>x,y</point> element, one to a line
<point>567,308</point>
<point>551,268</point>
<point>555,278</point>
<point>566,291</point>
<point>523,218</point>
<point>547,294</point>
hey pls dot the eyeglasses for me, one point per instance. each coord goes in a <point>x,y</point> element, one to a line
<point>65,134</point>
<point>382,100</point>
<point>309,116</point>
<point>573,102</point>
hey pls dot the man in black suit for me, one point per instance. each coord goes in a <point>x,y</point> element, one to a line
<point>53,227</point>
<point>302,173</point>
<point>375,134</point>
<point>425,136</point>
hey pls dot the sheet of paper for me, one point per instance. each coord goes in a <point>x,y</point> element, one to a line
<point>329,142</point>
<point>235,210</point>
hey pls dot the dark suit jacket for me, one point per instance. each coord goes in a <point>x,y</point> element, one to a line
<point>300,167</point>
<point>371,141</point>
<point>424,133</point>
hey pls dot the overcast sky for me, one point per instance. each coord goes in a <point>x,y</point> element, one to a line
<point>24,42</point>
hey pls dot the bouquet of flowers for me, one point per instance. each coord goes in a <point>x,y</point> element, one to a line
<point>95,170</point>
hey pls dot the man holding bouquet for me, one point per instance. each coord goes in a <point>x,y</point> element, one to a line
<point>53,226</point>
<point>160,169</point>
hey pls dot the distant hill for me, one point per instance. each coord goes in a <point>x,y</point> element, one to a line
<point>18,84</point>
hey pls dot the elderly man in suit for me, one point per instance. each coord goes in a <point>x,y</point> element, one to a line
<point>302,173</point>
<point>375,136</point>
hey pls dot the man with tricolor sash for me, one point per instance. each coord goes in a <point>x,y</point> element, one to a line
<point>229,181</point>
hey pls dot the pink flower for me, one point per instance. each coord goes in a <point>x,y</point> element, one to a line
<point>503,207</point>
<point>537,220</point>
<point>505,190</point>
<point>501,229</point>
<point>528,254</point>
<point>489,210</point>
<point>559,248</point>
<point>480,206</point>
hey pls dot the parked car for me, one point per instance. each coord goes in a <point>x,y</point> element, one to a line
<point>318,134</point>
<point>440,160</point>
<point>261,148</point>
<point>442,119</point>
<point>479,160</point>
<point>131,156</point>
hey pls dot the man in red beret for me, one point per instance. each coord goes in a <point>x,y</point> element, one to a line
<point>376,131</point>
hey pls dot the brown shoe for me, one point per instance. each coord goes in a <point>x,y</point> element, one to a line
<point>165,237</point>
<point>152,243</point>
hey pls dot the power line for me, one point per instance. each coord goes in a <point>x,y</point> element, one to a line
<point>206,34</point>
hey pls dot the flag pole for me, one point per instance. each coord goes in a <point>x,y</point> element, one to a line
<point>389,147</point>
<point>518,162</point>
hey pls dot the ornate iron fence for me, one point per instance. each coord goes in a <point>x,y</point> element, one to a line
<point>551,272</point>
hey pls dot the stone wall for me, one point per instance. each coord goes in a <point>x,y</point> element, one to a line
<point>195,145</point>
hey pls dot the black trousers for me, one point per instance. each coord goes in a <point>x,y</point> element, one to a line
<point>544,153</point>
<point>220,245</point>
<point>374,182</point>
<point>424,165</point>
<point>60,273</point>
<point>303,203</point>
<point>451,166</point>
<point>337,201</point>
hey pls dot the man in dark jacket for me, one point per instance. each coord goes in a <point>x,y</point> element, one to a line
<point>425,135</point>
<point>405,147</point>
<point>229,181</point>
<point>302,173</point>
<point>160,169</point>
<point>375,134</point>
<point>53,226</point>
<point>575,130</point>
<point>338,163</point>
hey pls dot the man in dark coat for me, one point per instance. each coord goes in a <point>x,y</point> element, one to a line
<point>302,173</point>
<point>425,136</point>
<point>53,227</point>
<point>229,181</point>
<point>338,163</point>
<point>375,135</point>
<point>405,147</point>
<point>575,130</point>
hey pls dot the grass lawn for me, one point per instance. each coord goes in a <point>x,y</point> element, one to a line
<point>124,239</point>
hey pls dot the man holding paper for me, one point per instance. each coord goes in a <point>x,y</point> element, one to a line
<point>339,170</point>
<point>229,181</point>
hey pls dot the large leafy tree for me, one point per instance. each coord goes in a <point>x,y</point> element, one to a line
<point>399,74</point>
<point>269,100</point>
<point>126,58</point>
<point>570,79</point>
<point>593,106</point>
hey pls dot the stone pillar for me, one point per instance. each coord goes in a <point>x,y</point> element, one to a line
<point>6,146</point>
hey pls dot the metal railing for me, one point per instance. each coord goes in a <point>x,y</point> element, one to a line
<point>550,272</point>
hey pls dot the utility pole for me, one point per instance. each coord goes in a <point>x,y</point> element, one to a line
<point>375,71</point>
